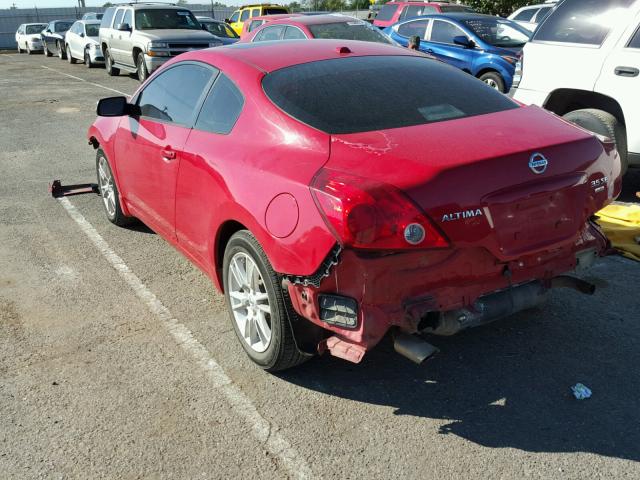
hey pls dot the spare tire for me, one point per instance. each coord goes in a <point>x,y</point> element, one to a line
<point>602,123</point>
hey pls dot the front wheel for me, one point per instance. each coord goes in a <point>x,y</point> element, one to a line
<point>19,49</point>
<point>29,51</point>
<point>494,80</point>
<point>87,59</point>
<point>69,56</point>
<point>143,73</point>
<point>109,192</point>
<point>111,70</point>
<point>602,123</point>
<point>257,305</point>
<point>47,53</point>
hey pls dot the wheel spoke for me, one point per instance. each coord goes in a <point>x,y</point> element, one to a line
<point>264,308</point>
<point>260,297</point>
<point>237,274</point>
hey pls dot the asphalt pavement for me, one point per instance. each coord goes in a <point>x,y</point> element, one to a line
<point>118,360</point>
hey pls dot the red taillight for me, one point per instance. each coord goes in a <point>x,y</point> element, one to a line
<point>366,214</point>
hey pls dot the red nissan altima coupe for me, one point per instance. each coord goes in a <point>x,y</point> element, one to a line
<point>329,221</point>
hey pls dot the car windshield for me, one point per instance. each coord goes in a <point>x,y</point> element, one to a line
<point>356,30</point>
<point>164,19</point>
<point>334,95</point>
<point>498,32</point>
<point>221,30</point>
<point>63,26</point>
<point>92,29</point>
<point>31,29</point>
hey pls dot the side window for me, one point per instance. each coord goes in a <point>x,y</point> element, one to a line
<point>635,41</point>
<point>542,14</point>
<point>245,15</point>
<point>118,19</point>
<point>417,27</point>
<point>585,22</point>
<point>128,17</point>
<point>293,33</point>
<point>526,15</point>
<point>222,107</point>
<point>269,33</point>
<point>444,32</point>
<point>234,17</point>
<point>416,10</point>
<point>173,95</point>
<point>255,12</point>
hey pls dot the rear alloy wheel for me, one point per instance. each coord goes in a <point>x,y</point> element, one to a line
<point>143,73</point>
<point>87,59</point>
<point>111,70</point>
<point>109,192</point>
<point>602,123</point>
<point>257,305</point>
<point>69,56</point>
<point>61,51</point>
<point>46,49</point>
<point>494,80</point>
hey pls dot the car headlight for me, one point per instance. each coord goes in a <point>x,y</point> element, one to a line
<point>510,59</point>
<point>154,45</point>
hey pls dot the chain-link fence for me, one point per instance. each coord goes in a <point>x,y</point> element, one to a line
<point>11,19</point>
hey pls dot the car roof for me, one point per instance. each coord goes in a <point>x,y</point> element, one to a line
<point>35,23</point>
<point>153,6</point>
<point>88,21</point>
<point>459,16</point>
<point>400,2</point>
<point>277,16</point>
<point>273,55</point>
<point>318,19</point>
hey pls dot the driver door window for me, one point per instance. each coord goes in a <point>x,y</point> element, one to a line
<point>417,27</point>
<point>445,32</point>
<point>270,33</point>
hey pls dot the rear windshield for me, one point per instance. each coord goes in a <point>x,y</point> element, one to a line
<point>386,13</point>
<point>161,19</point>
<point>585,22</point>
<point>356,30</point>
<point>335,95</point>
<point>274,11</point>
<point>31,29</point>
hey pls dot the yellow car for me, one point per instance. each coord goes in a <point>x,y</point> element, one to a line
<point>247,11</point>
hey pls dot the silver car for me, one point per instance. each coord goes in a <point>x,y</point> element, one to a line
<point>28,37</point>
<point>138,38</point>
<point>81,43</point>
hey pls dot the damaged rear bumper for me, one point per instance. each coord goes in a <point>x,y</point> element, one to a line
<point>437,292</point>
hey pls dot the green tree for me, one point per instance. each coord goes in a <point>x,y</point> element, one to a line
<point>181,2</point>
<point>295,7</point>
<point>107,5</point>
<point>497,7</point>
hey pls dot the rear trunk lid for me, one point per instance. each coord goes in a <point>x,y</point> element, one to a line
<point>515,182</point>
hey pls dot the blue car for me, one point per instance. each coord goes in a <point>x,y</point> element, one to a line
<point>486,47</point>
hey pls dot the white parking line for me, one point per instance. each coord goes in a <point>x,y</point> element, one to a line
<point>85,81</point>
<point>264,432</point>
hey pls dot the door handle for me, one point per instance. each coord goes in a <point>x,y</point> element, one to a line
<point>626,71</point>
<point>168,154</point>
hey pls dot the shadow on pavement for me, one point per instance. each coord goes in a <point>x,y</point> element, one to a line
<point>508,384</point>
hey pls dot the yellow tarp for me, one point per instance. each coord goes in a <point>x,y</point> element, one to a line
<point>621,223</point>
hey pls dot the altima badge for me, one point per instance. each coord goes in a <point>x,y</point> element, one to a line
<point>538,163</point>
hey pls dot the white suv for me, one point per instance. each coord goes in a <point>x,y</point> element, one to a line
<point>583,63</point>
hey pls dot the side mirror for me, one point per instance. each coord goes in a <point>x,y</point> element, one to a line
<point>463,41</point>
<point>115,107</point>
<point>204,27</point>
<point>226,20</point>
<point>124,27</point>
<point>82,35</point>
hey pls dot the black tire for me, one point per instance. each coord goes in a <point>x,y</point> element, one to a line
<point>602,123</point>
<point>87,59</point>
<point>69,56</point>
<point>19,49</point>
<point>141,67</point>
<point>494,80</point>
<point>117,217</point>
<point>282,352</point>
<point>62,55</point>
<point>108,63</point>
<point>29,51</point>
<point>47,53</point>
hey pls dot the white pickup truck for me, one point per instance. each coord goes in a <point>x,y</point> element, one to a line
<point>583,63</point>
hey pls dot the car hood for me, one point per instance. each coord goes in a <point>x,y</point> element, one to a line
<point>176,35</point>
<point>512,51</point>
<point>94,40</point>
<point>473,176</point>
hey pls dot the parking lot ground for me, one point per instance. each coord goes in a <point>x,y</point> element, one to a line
<point>117,358</point>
